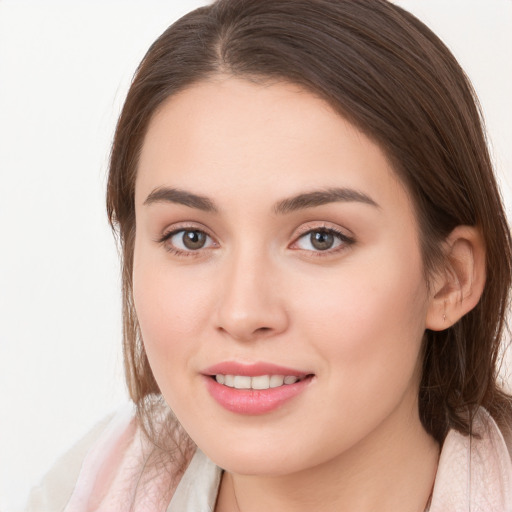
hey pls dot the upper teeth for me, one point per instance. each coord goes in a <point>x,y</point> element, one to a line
<point>259,382</point>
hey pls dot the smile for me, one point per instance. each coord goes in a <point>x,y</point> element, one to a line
<point>254,389</point>
<point>257,382</point>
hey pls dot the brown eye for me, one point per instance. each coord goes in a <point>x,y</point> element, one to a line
<point>186,240</point>
<point>194,239</point>
<point>321,240</point>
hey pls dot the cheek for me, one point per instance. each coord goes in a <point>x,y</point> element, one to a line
<point>166,304</point>
<point>370,317</point>
<point>171,311</point>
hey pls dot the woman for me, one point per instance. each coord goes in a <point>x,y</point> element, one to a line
<point>316,269</point>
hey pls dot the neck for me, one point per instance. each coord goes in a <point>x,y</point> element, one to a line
<point>391,470</point>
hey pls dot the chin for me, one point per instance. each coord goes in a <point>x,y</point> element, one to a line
<point>257,464</point>
<point>261,458</point>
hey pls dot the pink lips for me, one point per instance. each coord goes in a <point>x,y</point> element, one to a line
<point>251,370</point>
<point>253,401</point>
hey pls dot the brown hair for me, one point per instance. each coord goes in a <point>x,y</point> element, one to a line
<point>387,73</point>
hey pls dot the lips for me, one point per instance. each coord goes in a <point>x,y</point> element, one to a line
<point>252,369</point>
<point>256,388</point>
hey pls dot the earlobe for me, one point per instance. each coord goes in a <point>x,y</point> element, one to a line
<point>459,283</point>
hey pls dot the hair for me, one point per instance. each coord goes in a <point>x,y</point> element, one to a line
<point>385,72</point>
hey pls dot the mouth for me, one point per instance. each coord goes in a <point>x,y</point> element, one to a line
<point>257,388</point>
<point>259,382</point>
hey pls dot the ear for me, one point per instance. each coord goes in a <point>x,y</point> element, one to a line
<point>457,287</point>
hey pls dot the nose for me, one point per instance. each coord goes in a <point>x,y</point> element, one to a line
<point>251,302</point>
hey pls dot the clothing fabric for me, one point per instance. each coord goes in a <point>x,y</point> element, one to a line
<point>474,475</point>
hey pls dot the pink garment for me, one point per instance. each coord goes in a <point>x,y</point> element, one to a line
<point>474,474</point>
<point>112,470</point>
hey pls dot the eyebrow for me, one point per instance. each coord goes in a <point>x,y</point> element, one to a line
<point>321,197</point>
<point>298,202</point>
<point>178,196</point>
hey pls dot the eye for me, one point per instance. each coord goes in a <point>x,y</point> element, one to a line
<point>322,240</point>
<point>187,240</point>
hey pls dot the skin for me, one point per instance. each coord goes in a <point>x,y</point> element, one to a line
<point>258,290</point>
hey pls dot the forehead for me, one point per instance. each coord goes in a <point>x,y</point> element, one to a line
<point>231,136</point>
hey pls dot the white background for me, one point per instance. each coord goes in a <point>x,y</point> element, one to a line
<point>64,71</point>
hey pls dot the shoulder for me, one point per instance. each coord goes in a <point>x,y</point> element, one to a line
<point>112,469</point>
<point>56,487</point>
<point>474,471</point>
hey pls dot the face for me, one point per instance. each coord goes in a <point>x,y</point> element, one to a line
<point>278,279</point>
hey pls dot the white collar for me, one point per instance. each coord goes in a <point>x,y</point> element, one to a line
<point>199,486</point>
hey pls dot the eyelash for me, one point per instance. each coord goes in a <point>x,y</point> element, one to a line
<point>345,240</point>
<point>174,250</point>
